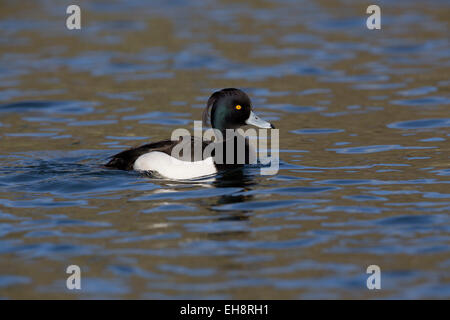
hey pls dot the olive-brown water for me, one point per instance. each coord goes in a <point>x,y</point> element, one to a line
<point>364,128</point>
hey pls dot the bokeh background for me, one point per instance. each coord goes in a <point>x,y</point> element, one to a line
<point>363,118</point>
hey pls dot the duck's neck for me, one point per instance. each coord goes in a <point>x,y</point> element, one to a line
<point>222,130</point>
<point>226,134</point>
<point>223,133</point>
<point>218,122</point>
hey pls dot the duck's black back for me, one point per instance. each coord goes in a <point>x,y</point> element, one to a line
<point>125,159</point>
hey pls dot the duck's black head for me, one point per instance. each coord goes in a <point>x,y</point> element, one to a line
<point>230,109</point>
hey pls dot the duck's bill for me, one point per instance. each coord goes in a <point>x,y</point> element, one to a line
<point>254,120</point>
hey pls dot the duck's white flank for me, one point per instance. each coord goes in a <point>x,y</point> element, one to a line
<point>174,168</point>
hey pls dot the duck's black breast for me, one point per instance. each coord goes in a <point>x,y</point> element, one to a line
<point>126,159</point>
<point>221,162</point>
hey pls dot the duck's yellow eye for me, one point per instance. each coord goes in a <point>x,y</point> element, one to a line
<point>238,107</point>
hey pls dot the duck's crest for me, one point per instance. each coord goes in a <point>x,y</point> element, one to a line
<point>212,100</point>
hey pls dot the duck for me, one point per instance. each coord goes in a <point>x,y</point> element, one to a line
<point>226,109</point>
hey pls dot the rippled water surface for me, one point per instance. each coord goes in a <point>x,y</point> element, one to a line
<point>364,123</point>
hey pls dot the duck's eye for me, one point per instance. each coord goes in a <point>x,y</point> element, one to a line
<point>238,107</point>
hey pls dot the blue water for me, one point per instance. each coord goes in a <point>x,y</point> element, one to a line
<point>364,150</point>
